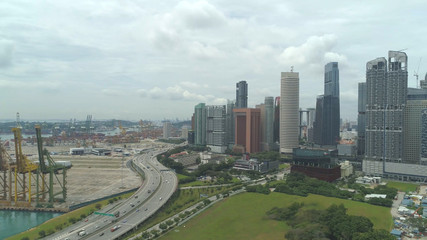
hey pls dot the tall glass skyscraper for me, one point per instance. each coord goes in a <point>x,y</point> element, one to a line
<point>241,94</point>
<point>327,123</point>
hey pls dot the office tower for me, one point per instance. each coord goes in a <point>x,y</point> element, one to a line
<point>361,108</point>
<point>413,130</point>
<point>184,132</point>
<point>424,137</point>
<point>276,135</point>
<point>327,126</point>
<point>167,128</point>
<point>200,124</point>
<point>310,124</point>
<point>269,122</point>
<point>241,94</point>
<point>386,98</point>
<point>289,106</point>
<point>247,124</point>
<point>423,83</point>
<point>215,128</point>
<point>417,94</point>
<point>332,78</point>
<point>261,107</point>
<point>229,124</point>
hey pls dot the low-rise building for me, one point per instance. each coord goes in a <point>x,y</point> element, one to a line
<point>101,151</point>
<point>369,196</point>
<point>346,169</point>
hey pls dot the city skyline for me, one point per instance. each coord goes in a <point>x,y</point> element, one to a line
<point>122,61</point>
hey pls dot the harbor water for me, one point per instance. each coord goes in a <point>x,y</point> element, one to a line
<point>14,222</point>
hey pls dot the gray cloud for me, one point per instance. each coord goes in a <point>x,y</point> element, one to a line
<point>6,53</point>
<point>174,55</point>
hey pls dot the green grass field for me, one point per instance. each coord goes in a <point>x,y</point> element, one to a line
<point>185,199</point>
<point>404,187</point>
<point>62,221</point>
<point>284,165</point>
<point>243,217</point>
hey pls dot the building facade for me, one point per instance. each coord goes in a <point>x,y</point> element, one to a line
<point>361,122</point>
<point>327,126</point>
<point>289,111</point>
<point>241,94</point>
<point>269,123</point>
<point>200,124</point>
<point>215,128</point>
<point>413,131</point>
<point>167,129</point>
<point>229,124</point>
<point>247,132</point>
<point>386,98</point>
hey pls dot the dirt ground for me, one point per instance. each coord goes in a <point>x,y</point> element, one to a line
<point>91,176</point>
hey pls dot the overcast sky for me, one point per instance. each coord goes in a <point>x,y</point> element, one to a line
<point>157,59</point>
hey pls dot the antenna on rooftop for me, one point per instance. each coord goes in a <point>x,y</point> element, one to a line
<point>416,72</point>
<point>292,68</point>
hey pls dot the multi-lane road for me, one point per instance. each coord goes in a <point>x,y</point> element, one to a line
<point>159,185</point>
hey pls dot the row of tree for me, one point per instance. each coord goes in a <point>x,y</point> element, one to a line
<point>333,223</point>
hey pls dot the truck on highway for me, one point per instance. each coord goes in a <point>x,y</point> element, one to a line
<point>115,228</point>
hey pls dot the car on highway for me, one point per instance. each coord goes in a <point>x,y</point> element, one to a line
<point>101,234</point>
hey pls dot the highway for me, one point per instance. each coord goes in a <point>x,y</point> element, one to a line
<point>159,185</point>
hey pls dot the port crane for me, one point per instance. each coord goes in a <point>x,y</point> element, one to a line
<point>48,167</point>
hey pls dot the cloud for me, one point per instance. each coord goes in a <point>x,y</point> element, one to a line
<point>317,50</point>
<point>198,15</point>
<point>6,53</point>
<point>155,93</point>
<point>112,92</point>
<point>177,93</point>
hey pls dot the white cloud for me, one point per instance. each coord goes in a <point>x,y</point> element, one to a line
<point>317,50</point>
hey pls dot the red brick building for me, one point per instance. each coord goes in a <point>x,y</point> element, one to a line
<point>247,128</point>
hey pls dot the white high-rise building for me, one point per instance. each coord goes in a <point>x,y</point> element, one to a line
<point>289,111</point>
<point>167,128</point>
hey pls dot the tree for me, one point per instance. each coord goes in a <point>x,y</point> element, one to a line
<point>177,219</point>
<point>42,233</point>
<point>163,226</point>
<point>146,235</point>
<point>206,202</point>
<point>169,222</point>
<point>376,234</point>
<point>98,206</point>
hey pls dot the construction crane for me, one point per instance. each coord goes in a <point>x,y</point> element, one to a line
<point>416,73</point>
<point>48,167</point>
<point>5,185</point>
<point>21,168</point>
<point>122,129</point>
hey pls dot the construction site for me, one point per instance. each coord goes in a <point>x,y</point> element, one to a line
<point>50,178</point>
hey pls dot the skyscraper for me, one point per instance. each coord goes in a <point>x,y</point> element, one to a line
<point>332,78</point>
<point>200,124</point>
<point>167,128</point>
<point>327,125</point>
<point>413,130</point>
<point>386,99</point>
<point>241,94</point>
<point>361,122</point>
<point>215,128</point>
<point>269,122</point>
<point>289,111</point>
<point>247,129</point>
<point>229,123</point>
